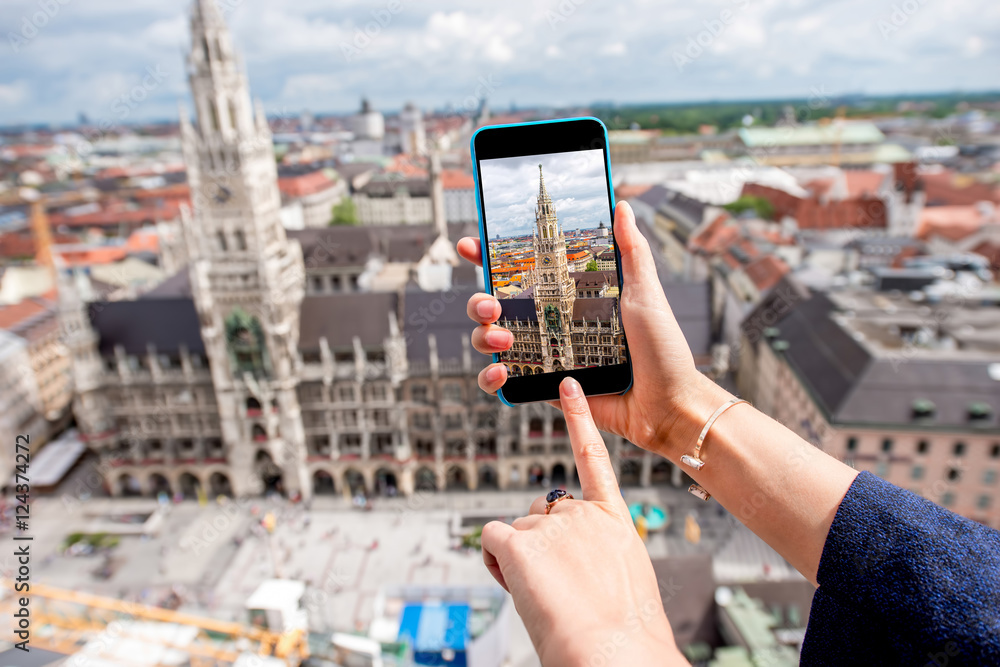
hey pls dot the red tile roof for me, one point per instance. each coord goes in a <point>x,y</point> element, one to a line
<point>307,184</point>
<point>862,183</point>
<point>118,215</point>
<point>456,179</point>
<point>766,271</point>
<point>951,189</point>
<point>626,191</point>
<point>19,313</point>
<point>950,222</point>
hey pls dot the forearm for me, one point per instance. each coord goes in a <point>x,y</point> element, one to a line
<point>781,487</point>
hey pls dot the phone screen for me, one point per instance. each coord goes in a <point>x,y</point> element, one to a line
<point>552,260</point>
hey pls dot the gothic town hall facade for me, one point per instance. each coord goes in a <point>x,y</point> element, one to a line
<point>272,363</point>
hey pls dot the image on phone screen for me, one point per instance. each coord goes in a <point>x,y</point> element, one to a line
<point>552,262</point>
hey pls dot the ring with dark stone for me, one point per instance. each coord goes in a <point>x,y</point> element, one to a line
<point>554,496</point>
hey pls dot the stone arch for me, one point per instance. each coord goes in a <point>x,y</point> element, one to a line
<point>536,474</point>
<point>426,479</point>
<point>219,485</point>
<point>385,479</point>
<point>538,370</point>
<point>628,472</point>
<point>457,479</point>
<point>558,426</point>
<point>355,481</point>
<point>660,472</point>
<point>128,485</point>
<point>536,425</point>
<point>188,485</point>
<point>323,484</point>
<point>158,483</point>
<point>257,433</point>
<point>267,470</point>
<point>558,475</point>
<point>253,405</point>
<point>487,478</point>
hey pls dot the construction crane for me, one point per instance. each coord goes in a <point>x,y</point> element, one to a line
<point>71,622</point>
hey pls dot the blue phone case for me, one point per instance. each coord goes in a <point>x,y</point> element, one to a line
<point>482,224</point>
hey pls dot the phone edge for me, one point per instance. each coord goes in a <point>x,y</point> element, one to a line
<point>484,243</point>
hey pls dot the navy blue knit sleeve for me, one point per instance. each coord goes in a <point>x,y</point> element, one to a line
<point>903,581</point>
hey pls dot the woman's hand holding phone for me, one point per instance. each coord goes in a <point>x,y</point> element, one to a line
<point>667,387</point>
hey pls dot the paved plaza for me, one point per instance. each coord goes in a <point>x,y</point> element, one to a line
<point>210,559</point>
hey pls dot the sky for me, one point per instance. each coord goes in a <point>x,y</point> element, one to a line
<point>123,60</point>
<point>575,181</point>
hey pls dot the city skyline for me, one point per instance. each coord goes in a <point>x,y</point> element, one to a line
<point>86,57</point>
<point>576,182</point>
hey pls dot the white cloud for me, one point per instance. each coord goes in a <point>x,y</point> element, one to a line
<point>614,49</point>
<point>436,52</point>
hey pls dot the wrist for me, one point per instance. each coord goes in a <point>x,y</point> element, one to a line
<point>678,434</point>
<point>612,646</point>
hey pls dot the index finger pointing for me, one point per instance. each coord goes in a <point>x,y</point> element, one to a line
<point>597,475</point>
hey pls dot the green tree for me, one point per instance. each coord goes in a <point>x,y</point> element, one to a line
<point>761,207</point>
<point>344,213</point>
<point>592,265</point>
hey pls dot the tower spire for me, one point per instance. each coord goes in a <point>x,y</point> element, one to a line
<point>542,193</point>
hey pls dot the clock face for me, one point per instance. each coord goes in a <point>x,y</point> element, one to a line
<point>222,194</point>
<point>547,261</point>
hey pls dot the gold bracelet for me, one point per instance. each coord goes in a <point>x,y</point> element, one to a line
<point>695,461</point>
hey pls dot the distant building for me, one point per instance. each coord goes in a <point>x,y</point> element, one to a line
<point>554,329</point>
<point>36,322</point>
<point>317,361</point>
<point>18,396</point>
<point>908,389</point>
<point>413,137</point>
<point>316,191</point>
<point>391,199</point>
<point>839,143</point>
<point>369,123</point>
<point>606,261</point>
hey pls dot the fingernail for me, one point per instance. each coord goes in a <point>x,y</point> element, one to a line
<point>485,308</point>
<point>571,388</point>
<point>495,374</point>
<point>498,338</point>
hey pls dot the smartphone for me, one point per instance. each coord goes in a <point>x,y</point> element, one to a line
<point>546,222</point>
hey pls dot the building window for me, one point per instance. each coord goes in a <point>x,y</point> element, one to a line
<point>983,502</point>
<point>989,477</point>
<point>425,448</point>
<point>995,451</point>
<point>887,445</point>
<point>959,449</point>
<point>382,444</point>
<point>453,420</point>
<point>346,394</point>
<point>948,499</point>
<point>422,420</point>
<point>418,393</point>
<point>452,392</point>
<point>954,474</point>
<point>923,446</point>
<point>852,444</point>
<point>918,472</point>
<point>882,469</point>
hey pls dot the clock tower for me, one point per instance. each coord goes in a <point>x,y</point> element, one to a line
<point>247,278</point>
<point>555,290</point>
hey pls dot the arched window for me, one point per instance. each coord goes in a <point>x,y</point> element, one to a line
<point>220,237</point>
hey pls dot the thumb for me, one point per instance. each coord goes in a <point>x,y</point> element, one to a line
<point>638,269</point>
